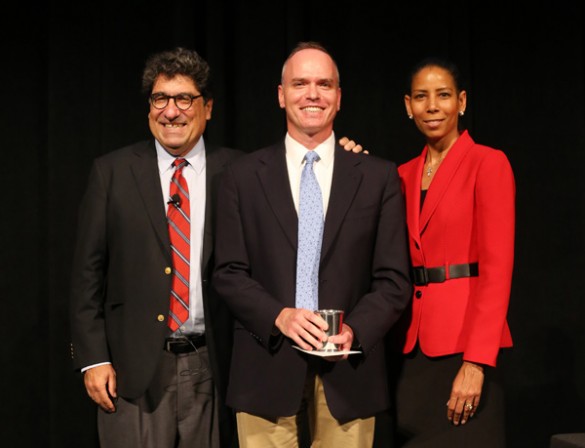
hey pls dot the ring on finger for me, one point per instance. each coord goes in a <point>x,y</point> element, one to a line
<point>469,407</point>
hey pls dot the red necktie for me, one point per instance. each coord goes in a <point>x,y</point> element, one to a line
<point>179,220</point>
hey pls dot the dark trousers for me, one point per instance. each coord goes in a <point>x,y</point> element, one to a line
<point>418,419</point>
<point>179,410</point>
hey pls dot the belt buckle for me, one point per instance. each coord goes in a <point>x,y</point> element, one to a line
<point>171,342</point>
<point>419,272</point>
<point>169,345</point>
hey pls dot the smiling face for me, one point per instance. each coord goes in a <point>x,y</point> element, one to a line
<point>435,103</point>
<point>178,130</point>
<point>311,96</point>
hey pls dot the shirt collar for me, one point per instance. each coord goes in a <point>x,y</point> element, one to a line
<point>296,152</point>
<point>195,157</point>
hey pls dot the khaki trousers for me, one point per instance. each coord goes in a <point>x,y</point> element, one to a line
<point>325,431</point>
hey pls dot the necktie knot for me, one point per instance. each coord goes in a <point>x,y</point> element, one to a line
<point>179,163</point>
<point>311,157</point>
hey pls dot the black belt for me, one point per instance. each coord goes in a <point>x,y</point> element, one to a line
<point>184,344</point>
<point>423,276</point>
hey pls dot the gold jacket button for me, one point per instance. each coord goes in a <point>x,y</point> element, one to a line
<point>160,318</point>
<point>168,270</point>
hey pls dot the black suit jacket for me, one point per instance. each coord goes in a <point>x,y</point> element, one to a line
<point>120,279</point>
<point>364,271</point>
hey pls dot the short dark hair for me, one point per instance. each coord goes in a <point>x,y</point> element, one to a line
<point>179,61</point>
<point>436,61</point>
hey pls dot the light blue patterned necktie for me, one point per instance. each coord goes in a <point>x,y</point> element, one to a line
<point>310,237</point>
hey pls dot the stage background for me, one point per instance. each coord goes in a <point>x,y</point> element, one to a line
<point>71,92</point>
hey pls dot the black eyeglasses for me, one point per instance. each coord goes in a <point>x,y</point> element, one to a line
<point>183,101</point>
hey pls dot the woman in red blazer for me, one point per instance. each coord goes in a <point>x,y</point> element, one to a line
<point>460,211</point>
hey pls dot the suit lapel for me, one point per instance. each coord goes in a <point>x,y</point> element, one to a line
<point>346,179</point>
<point>344,186</point>
<point>214,166</point>
<point>146,175</point>
<point>412,183</point>
<point>273,176</point>
<point>443,178</point>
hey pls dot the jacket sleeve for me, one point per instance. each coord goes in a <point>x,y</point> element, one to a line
<point>88,335</point>
<point>495,224</point>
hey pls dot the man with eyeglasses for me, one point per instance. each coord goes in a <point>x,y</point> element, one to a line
<point>159,381</point>
<point>157,385</point>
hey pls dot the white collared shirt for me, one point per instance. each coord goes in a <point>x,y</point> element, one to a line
<point>194,174</point>
<point>295,153</point>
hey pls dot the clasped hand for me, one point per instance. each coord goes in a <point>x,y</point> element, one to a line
<point>307,330</point>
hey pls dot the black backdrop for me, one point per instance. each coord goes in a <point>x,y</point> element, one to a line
<point>71,91</point>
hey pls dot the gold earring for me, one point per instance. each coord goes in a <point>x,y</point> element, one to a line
<point>410,117</point>
<point>461,113</point>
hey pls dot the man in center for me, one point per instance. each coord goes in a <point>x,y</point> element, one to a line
<point>276,264</point>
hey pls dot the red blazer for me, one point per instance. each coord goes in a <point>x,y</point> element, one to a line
<point>468,216</point>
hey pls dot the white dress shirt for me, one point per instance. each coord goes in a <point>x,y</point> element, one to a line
<point>295,153</point>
